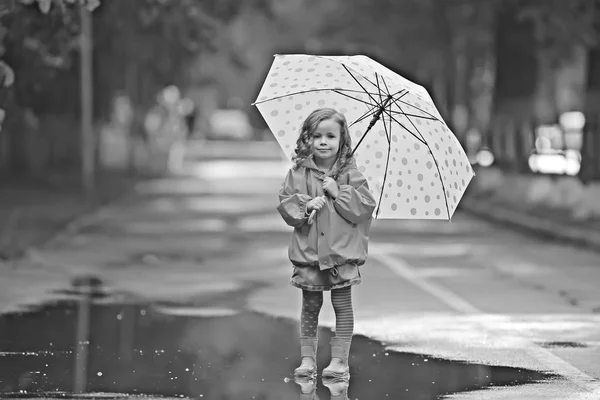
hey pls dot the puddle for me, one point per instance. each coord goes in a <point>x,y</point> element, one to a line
<point>563,345</point>
<point>141,349</point>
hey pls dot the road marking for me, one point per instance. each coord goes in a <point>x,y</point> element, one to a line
<point>546,358</point>
<point>401,268</point>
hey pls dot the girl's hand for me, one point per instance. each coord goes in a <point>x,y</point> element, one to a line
<point>330,187</point>
<point>315,204</point>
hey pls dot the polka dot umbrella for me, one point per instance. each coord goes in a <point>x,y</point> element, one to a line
<point>415,166</point>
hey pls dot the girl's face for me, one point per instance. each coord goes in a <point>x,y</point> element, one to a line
<point>326,140</point>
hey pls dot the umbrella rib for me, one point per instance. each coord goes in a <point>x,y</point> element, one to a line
<point>390,122</point>
<point>346,68</point>
<point>288,94</point>
<point>379,88</point>
<point>400,91</point>
<point>367,79</point>
<point>436,165</point>
<point>415,115</point>
<point>359,84</point>
<point>387,163</point>
<point>376,116</point>
<point>396,100</point>
<point>410,105</point>
<point>387,89</point>
<point>405,128</point>
<point>388,134</point>
<point>365,115</point>
<point>338,91</point>
<point>352,91</point>
<point>309,91</point>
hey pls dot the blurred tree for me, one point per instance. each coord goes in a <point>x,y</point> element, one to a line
<point>234,72</point>
<point>451,47</point>
<point>433,42</point>
<point>144,45</point>
<point>564,33</point>
<point>140,46</point>
<point>38,47</point>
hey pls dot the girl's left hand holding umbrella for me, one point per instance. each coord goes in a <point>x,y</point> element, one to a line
<point>331,188</point>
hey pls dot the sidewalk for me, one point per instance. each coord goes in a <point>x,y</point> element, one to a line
<point>546,222</point>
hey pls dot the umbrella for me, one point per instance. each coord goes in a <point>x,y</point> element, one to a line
<point>414,164</point>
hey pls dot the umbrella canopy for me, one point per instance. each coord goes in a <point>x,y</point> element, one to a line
<point>415,166</point>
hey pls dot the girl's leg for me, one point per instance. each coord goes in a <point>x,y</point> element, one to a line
<point>338,368</point>
<point>309,321</point>
<point>341,299</point>
<point>309,318</point>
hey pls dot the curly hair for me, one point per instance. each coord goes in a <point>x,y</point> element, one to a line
<point>303,149</point>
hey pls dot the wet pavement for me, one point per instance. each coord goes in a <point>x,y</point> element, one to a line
<point>165,350</point>
<point>189,296</point>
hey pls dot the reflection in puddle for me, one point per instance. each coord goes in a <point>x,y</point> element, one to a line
<point>140,349</point>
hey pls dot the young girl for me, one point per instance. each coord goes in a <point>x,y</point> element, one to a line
<point>326,253</point>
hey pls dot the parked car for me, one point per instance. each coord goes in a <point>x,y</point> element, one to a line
<point>229,124</point>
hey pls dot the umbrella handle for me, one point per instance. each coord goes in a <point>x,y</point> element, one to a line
<point>311,218</point>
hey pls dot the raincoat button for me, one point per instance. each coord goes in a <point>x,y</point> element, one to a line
<point>322,233</point>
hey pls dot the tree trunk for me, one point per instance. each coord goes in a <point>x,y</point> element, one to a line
<point>460,101</point>
<point>482,71</point>
<point>131,83</point>
<point>571,81</point>
<point>544,102</point>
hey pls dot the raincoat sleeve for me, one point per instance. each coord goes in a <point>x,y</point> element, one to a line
<point>292,203</point>
<point>355,202</point>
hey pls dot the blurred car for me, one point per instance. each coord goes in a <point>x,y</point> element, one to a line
<point>229,124</point>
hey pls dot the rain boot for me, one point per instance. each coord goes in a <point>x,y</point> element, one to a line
<point>308,387</point>
<point>338,388</point>
<point>338,367</point>
<point>308,352</point>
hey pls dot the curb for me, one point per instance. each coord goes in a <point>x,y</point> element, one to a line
<point>542,227</point>
<point>67,229</point>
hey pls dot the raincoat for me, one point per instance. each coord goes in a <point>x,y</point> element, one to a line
<point>339,234</point>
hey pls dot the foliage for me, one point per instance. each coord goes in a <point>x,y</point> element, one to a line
<point>139,46</point>
<point>148,41</point>
<point>558,25</point>
<point>412,30</point>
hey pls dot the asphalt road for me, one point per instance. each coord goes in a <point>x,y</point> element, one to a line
<point>195,265</point>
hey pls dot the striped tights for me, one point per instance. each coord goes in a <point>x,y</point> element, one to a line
<point>341,299</point>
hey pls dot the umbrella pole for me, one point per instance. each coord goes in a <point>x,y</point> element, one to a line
<point>375,118</point>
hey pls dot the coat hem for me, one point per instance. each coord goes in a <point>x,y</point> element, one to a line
<point>321,288</point>
<point>356,262</point>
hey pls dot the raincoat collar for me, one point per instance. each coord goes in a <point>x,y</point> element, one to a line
<point>309,163</point>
